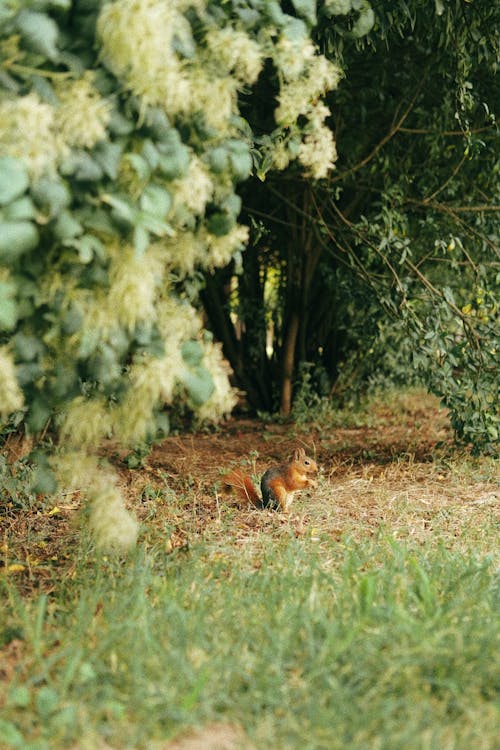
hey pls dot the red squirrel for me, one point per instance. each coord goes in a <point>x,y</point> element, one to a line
<point>278,483</point>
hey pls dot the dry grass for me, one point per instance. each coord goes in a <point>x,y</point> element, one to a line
<point>372,601</point>
<point>395,469</point>
<point>398,471</point>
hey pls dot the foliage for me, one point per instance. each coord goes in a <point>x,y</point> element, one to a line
<point>398,249</point>
<point>122,145</point>
<point>300,652</point>
<point>420,210</point>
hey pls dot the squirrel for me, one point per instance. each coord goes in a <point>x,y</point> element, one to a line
<point>278,483</point>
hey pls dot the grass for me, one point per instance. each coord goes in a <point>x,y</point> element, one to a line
<point>388,645</point>
<point>369,619</point>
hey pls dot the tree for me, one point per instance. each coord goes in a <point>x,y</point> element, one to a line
<point>122,144</point>
<point>402,236</point>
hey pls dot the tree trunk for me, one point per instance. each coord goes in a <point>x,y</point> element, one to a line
<point>288,355</point>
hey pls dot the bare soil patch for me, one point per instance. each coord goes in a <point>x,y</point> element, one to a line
<point>396,470</point>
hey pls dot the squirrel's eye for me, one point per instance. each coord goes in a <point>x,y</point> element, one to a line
<point>307,462</point>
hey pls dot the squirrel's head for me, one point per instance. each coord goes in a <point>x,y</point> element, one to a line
<point>307,464</point>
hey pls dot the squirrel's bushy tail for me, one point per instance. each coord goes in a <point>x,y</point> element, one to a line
<point>244,487</point>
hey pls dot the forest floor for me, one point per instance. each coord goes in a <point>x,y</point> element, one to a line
<point>398,509</point>
<point>393,465</point>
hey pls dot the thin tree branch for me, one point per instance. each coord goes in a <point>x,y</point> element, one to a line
<point>429,131</point>
<point>447,181</point>
<point>392,132</point>
<point>451,211</point>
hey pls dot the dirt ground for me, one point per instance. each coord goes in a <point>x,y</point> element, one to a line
<point>395,468</point>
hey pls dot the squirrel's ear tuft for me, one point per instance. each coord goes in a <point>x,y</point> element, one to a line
<point>299,454</point>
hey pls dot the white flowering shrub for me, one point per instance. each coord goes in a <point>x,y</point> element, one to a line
<point>122,144</point>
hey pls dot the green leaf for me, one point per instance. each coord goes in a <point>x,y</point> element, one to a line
<point>8,311</point>
<point>220,224</point>
<point>16,238</point>
<point>45,90</point>
<point>275,12</point>
<point>22,208</point>
<point>97,219</point>
<point>156,226</point>
<point>28,373</point>
<point>19,697</point>
<point>492,432</point>
<point>240,159</point>
<point>119,124</point>
<point>8,306</point>
<point>44,482</point>
<point>82,167</point>
<point>88,246</point>
<point>108,155</point>
<point>157,122</point>
<point>52,195</point>
<point>232,204</point>
<point>174,156</point>
<point>218,160</point>
<point>72,320</point>
<point>192,353</point>
<point>11,735</point>
<point>295,29</point>
<point>306,9</point>
<point>39,414</point>
<point>123,209</point>
<point>46,701</point>
<point>199,385</point>
<point>66,227</point>
<point>144,165</point>
<point>39,32</point>
<point>156,200</point>
<point>162,424</point>
<point>13,179</point>
<point>141,240</point>
<point>103,366</point>
<point>27,347</point>
<point>365,21</point>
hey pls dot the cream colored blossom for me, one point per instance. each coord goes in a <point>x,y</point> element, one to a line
<point>216,97</point>
<point>234,51</point>
<point>152,383</point>
<point>184,252</point>
<point>221,249</point>
<point>323,75</point>
<point>189,250</point>
<point>137,45</point>
<point>195,189</point>
<point>338,7</point>
<point>114,528</point>
<point>28,131</point>
<point>153,380</point>
<point>131,297</point>
<point>281,155</point>
<point>291,57</point>
<point>294,100</point>
<point>317,152</point>
<point>318,113</point>
<point>177,320</point>
<point>83,114</point>
<point>85,424</point>
<point>300,97</point>
<point>224,397</point>
<point>11,397</point>
<point>133,283</point>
